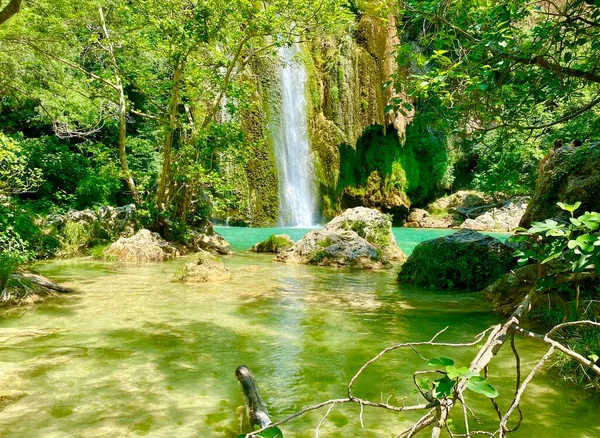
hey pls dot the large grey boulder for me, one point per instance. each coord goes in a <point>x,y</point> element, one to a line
<point>206,270</point>
<point>275,243</point>
<point>145,246</point>
<point>373,226</point>
<point>505,218</point>
<point>466,260</point>
<point>337,249</point>
<point>359,237</point>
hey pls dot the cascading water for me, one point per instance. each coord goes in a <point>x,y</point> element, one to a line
<point>298,205</point>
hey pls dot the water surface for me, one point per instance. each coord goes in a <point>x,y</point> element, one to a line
<point>133,354</point>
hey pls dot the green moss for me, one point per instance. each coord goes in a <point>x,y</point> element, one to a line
<point>445,265</point>
<point>364,104</point>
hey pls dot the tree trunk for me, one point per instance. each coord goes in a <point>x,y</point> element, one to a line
<point>122,116</point>
<point>165,177</point>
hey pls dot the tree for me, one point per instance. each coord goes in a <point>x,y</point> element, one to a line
<point>509,77</point>
<point>9,10</point>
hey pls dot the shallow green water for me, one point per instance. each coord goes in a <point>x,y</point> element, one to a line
<point>137,355</point>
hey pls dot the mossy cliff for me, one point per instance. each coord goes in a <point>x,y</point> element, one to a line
<point>363,154</point>
<point>251,170</point>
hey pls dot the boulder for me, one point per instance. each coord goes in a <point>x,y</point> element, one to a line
<point>337,249</point>
<point>208,240</point>
<point>359,237</point>
<point>571,175</point>
<point>466,260</point>
<point>371,225</point>
<point>505,218</point>
<point>461,199</point>
<point>145,246</point>
<point>118,219</point>
<point>107,221</point>
<point>84,217</point>
<point>419,218</point>
<point>275,243</point>
<point>206,270</point>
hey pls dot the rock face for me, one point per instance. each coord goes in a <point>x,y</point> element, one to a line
<point>275,243</point>
<point>145,246</point>
<point>360,237</point>
<point>571,175</point>
<point>506,218</point>
<point>466,260</point>
<point>206,270</point>
<point>110,220</point>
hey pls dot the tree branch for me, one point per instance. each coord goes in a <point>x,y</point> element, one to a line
<point>9,10</point>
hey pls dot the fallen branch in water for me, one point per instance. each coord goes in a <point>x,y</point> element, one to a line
<point>439,409</point>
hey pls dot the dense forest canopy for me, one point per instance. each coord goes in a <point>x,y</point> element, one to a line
<point>507,78</point>
<point>137,101</point>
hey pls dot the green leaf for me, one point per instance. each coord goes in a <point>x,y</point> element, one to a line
<point>482,386</point>
<point>462,372</point>
<point>273,432</point>
<point>569,207</point>
<point>440,361</point>
<point>443,387</point>
<point>594,357</point>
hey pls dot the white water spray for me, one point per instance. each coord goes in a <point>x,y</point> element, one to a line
<point>298,205</point>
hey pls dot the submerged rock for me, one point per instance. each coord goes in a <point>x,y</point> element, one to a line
<point>24,287</point>
<point>505,218</point>
<point>275,243</point>
<point>571,175</point>
<point>466,260</point>
<point>359,237</point>
<point>145,246</point>
<point>207,269</point>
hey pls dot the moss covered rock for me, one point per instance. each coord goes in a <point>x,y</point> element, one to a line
<point>275,243</point>
<point>337,249</point>
<point>466,260</point>
<point>571,175</point>
<point>507,292</point>
<point>371,225</point>
<point>360,237</point>
<point>207,269</point>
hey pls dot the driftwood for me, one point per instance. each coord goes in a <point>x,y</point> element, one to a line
<point>256,409</point>
<point>42,281</point>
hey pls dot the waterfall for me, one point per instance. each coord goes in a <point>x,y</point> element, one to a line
<point>298,205</point>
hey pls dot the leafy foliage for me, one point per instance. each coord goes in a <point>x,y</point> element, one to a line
<point>511,77</point>
<point>576,244</point>
<point>444,387</point>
